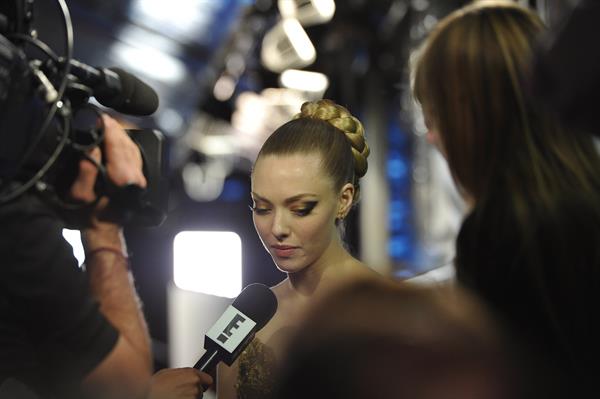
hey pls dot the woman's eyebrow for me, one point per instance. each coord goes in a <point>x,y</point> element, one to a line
<point>287,201</point>
<point>299,197</point>
<point>259,197</point>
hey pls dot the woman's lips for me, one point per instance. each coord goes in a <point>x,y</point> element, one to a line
<point>283,251</point>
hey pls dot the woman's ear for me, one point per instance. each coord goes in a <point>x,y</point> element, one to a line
<point>346,198</point>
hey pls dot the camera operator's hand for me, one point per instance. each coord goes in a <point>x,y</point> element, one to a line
<point>83,187</point>
<point>126,371</point>
<point>123,158</point>
<point>123,163</point>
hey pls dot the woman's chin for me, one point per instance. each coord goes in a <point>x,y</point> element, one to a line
<point>287,265</point>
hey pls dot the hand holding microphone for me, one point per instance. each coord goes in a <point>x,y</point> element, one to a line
<point>179,383</point>
<point>224,341</point>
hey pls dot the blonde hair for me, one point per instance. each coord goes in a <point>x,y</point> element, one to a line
<point>330,129</point>
<point>340,118</point>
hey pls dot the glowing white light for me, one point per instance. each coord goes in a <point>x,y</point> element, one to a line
<point>186,17</point>
<point>217,145</point>
<point>73,237</point>
<point>235,64</point>
<point>208,262</point>
<point>287,45</point>
<point>202,182</point>
<point>304,80</point>
<point>224,88</point>
<point>150,62</point>
<point>287,8</point>
<point>310,12</point>
<point>299,39</point>
<point>258,115</point>
<point>250,113</point>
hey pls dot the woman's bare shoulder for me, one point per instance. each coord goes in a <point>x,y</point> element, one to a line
<point>358,271</point>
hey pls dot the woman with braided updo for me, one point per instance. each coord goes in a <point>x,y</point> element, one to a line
<point>304,183</point>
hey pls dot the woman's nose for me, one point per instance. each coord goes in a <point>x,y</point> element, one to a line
<point>280,228</point>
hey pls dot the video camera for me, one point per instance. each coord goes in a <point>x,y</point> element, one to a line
<point>47,123</point>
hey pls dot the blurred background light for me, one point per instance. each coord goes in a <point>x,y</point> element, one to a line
<point>149,62</point>
<point>180,19</point>
<point>208,262</point>
<point>307,12</point>
<point>224,87</point>
<point>204,182</point>
<point>170,120</point>
<point>287,45</point>
<point>313,82</point>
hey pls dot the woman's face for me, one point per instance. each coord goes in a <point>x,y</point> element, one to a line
<point>294,209</point>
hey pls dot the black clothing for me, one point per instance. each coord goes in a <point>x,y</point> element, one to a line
<point>539,271</point>
<point>51,330</point>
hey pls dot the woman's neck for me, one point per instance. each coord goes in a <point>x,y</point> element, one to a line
<point>332,265</point>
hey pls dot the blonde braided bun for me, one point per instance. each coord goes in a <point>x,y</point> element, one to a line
<point>340,118</point>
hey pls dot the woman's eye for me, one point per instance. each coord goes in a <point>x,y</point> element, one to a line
<point>259,210</point>
<point>306,209</point>
<point>301,212</point>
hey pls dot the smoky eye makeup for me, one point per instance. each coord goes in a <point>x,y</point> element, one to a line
<point>306,208</point>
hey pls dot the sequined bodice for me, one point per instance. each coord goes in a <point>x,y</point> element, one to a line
<point>256,371</point>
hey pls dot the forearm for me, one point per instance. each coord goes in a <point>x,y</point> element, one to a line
<point>126,371</point>
<point>112,285</point>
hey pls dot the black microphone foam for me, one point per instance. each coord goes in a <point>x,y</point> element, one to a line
<point>258,302</point>
<point>235,329</point>
<point>134,98</point>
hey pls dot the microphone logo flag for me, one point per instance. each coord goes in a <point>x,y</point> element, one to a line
<point>231,329</point>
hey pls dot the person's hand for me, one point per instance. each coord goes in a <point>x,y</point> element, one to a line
<point>123,163</point>
<point>179,383</point>
<point>83,186</point>
<point>123,158</point>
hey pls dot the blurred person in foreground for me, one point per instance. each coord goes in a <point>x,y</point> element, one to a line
<point>530,245</point>
<point>381,340</point>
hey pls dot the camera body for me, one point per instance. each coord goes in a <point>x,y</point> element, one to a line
<point>47,123</point>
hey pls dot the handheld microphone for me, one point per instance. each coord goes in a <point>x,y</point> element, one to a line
<point>117,89</point>
<point>235,329</point>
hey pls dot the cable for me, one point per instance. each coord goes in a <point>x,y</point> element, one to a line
<point>53,109</point>
<point>65,80</point>
<point>35,42</point>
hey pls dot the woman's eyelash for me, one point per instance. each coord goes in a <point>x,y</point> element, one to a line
<point>308,207</point>
<point>257,210</point>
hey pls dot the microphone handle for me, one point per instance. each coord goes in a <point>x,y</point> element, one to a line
<point>208,361</point>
